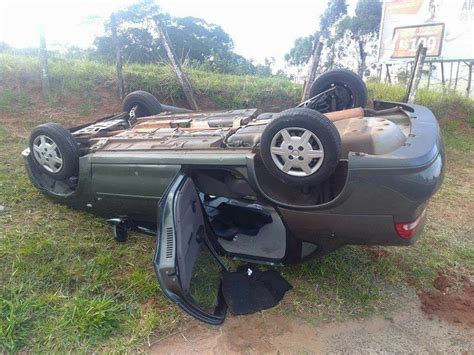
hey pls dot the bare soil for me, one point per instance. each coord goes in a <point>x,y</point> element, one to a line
<point>267,332</point>
<point>454,307</point>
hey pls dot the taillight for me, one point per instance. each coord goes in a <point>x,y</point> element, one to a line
<point>408,230</point>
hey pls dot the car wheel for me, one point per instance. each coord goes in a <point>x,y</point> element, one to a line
<point>54,151</point>
<point>144,103</point>
<point>350,91</point>
<point>300,147</point>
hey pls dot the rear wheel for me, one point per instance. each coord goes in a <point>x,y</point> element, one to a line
<point>349,89</point>
<point>300,147</point>
<point>143,103</point>
<point>55,151</point>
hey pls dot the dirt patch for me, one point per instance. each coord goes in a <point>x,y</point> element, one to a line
<point>456,307</point>
<point>254,334</point>
<point>66,111</point>
<point>442,282</point>
<point>377,253</point>
<point>267,332</point>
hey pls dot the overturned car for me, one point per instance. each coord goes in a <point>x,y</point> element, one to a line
<point>269,188</point>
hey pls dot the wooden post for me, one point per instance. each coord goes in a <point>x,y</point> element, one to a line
<point>313,66</point>
<point>469,80</point>
<point>416,74</point>
<point>450,76</point>
<point>442,77</point>
<point>182,78</point>
<point>305,82</point>
<point>379,73</point>
<point>387,74</point>
<point>457,76</point>
<point>430,70</point>
<point>43,56</point>
<point>118,57</point>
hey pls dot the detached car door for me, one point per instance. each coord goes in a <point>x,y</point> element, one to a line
<point>188,272</point>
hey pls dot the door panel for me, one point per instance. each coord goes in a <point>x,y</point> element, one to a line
<point>188,274</point>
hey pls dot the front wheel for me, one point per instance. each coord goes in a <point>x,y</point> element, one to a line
<point>55,151</point>
<point>300,147</point>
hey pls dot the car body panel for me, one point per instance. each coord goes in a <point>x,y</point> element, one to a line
<point>378,189</point>
<point>139,175</point>
<point>170,266</point>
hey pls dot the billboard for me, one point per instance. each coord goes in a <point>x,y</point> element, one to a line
<point>444,27</point>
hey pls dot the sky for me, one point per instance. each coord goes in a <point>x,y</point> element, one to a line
<point>259,28</point>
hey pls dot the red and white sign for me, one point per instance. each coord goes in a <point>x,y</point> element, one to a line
<point>445,27</point>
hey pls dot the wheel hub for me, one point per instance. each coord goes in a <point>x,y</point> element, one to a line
<point>47,154</point>
<point>297,151</point>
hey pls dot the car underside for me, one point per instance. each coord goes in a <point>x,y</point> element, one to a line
<point>270,188</point>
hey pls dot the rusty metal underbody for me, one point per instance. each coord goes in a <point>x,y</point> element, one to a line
<point>243,129</point>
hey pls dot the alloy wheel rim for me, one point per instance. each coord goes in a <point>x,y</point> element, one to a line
<point>297,151</point>
<point>47,154</point>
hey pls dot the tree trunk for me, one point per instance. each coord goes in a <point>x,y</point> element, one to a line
<point>182,78</point>
<point>43,54</point>
<point>118,57</point>
<point>362,58</point>
<point>313,67</point>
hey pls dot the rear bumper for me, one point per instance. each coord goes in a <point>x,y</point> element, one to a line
<point>339,229</point>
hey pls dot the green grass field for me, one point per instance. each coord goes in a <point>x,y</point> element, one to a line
<point>66,286</point>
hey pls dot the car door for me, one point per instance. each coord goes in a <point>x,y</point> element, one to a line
<point>186,266</point>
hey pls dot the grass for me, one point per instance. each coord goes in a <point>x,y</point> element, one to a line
<point>67,287</point>
<point>65,284</point>
<point>83,78</point>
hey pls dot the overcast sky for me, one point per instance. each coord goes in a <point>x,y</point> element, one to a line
<point>259,28</point>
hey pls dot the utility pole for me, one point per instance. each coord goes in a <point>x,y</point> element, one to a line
<point>182,78</point>
<point>118,56</point>
<point>43,56</point>
<point>313,66</point>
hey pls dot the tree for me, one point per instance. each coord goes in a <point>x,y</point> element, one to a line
<point>192,38</point>
<point>328,21</point>
<point>363,28</point>
<point>303,46</point>
<point>301,51</point>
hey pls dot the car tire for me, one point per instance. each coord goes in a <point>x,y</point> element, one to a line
<point>301,147</point>
<point>350,88</point>
<point>54,151</point>
<point>146,103</point>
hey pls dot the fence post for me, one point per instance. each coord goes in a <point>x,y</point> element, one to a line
<point>429,74</point>
<point>182,78</point>
<point>443,82</point>
<point>43,55</point>
<point>469,80</point>
<point>118,56</point>
<point>387,74</point>
<point>416,73</point>
<point>313,67</point>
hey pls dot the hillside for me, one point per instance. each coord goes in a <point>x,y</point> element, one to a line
<point>88,86</point>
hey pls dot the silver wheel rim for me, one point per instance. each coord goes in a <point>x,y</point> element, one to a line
<point>47,154</point>
<point>297,151</point>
